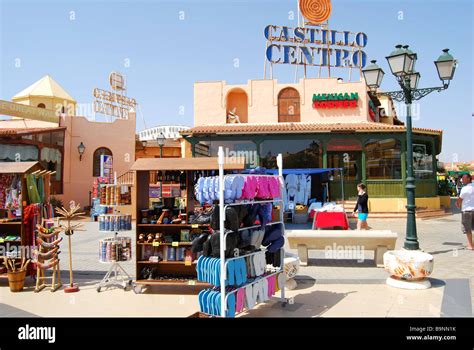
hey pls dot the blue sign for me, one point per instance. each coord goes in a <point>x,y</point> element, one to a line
<point>315,46</point>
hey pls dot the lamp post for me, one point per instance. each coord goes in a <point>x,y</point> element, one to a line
<point>160,140</point>
<point>402,65</point>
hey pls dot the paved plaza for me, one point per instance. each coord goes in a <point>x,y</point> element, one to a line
<point>327,287</point>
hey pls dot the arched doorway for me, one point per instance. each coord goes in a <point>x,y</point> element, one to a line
<point>96,160</point>
<point>289,106</point>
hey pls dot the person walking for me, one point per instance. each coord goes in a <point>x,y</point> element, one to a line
<point>362,207</point>
<point>465,202</point>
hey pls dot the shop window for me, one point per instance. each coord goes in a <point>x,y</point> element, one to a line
<point>237,107</point>
<point>304,153</point>
<point>96,161</point>
<point>422,161</point>
<point>232,149</point>
<point>41,105</point>
<point>57,138</point>
<point>383,159</point>
<point>289,106</point>
<point>18,153</point>
<point>51,159</point>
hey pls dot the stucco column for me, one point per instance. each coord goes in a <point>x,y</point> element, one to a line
<point>258,143</point>
<point>325,154</point>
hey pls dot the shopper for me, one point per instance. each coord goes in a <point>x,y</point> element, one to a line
<point>466,203</point>
<point>362,207</point>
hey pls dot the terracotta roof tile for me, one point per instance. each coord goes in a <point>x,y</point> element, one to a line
<point>23,131</point>
<point>275,128</point>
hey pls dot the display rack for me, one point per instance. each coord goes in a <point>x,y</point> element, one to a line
<point>162,271</point>
<point>224,294</point>
<point>15,226</point>
<point>120,247</point>
<point>116,275</point>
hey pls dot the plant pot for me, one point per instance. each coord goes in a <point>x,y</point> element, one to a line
<point>408,265</point>
<point>16,280</point>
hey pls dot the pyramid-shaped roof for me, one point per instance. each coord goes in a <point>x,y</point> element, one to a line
<point>46,86</point>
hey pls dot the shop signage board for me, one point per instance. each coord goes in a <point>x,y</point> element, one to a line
<point>113,103</point>
<point>344,145</point>
<point>314,43</point>
<point>335,100</point>
<point>27,112</point>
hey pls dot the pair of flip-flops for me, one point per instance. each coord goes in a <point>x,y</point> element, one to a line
<point>209,270</point>
<point>233,186</point>
<point>252,238</point>
<point>210,302</point>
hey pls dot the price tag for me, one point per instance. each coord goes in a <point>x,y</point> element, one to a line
<point>175,244</point>
<point>192,283</point>
<point>194,226</point>
<point>187,263</point>
<point>156,244</point>
<point>2,240</point>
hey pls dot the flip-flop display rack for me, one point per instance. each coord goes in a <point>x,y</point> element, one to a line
<point>229,294</point>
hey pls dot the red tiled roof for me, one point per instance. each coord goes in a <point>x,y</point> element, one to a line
<point>276,128</point>
<point>26,131</point>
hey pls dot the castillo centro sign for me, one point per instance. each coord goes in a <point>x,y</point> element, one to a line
<point>336,100</point>
<point>315,44</point>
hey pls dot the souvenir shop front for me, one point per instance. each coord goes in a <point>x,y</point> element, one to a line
<point>45,145</point>
<point>204,216</point>
<point>372,153</point>
<point>24,202</point>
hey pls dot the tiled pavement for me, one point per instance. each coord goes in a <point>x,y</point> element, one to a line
<point>325,288</point>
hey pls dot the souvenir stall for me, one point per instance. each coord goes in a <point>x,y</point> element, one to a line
<point>302,201</point>
<point>169,218</point>
<point>24,203</point>
<point>243,260</point>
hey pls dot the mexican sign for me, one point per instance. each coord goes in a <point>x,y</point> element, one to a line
<point>335,100</point>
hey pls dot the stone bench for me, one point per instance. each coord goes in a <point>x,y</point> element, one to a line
<point>377,240</point>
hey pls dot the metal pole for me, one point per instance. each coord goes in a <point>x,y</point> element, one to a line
<point>221,228</point>
<point>282,252</point>
<point>162,177</point>
<point>411,239</point>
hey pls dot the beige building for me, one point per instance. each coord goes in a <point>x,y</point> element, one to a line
<point>44,127</point>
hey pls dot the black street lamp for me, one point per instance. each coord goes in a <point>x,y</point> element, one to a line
<point>402,64</point>
<point>160,140</point>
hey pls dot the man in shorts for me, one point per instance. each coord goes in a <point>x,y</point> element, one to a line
<point>466,203</point>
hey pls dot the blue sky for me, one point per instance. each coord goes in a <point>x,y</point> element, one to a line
<point>163,54</point>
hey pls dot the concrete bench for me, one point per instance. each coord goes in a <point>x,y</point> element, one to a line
<point>330,240</point>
